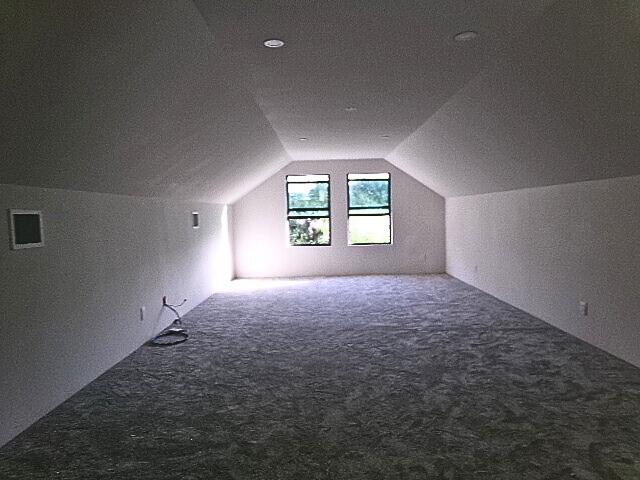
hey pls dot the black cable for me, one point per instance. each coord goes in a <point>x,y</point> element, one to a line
<point>169,337</point>
<point>172,335</point>
<point>173,308</point>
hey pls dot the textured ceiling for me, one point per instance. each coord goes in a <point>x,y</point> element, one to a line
<point>126,97</point>
<point>174,98</point>
<point>562,106</point>
<point>395,61</point>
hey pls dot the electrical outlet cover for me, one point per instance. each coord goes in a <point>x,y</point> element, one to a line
<point>584,308</point>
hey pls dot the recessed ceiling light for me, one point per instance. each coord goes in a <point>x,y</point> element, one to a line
<point>303,139</point>
<point>465,36</point>
<point>273,43</point>
<point>350,109</point>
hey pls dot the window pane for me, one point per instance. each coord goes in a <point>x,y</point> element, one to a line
<point>308,195</point>
<point>374,229</point>
<point>309,231</point>
<point>369,193</point>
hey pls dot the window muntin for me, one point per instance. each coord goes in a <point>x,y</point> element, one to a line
<point>369,208</point>
<point>309,210</point>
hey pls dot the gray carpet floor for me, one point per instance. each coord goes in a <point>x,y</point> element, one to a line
<point>381,377</point>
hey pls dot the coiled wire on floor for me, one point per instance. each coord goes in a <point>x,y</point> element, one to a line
<point>174,333</point>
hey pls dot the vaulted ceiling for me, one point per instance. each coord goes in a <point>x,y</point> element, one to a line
<point>129,97</point>
<point>180,98</point>
<point>561,105</point>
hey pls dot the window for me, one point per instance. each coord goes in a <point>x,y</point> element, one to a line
<point>308,210</point>
<point>369,208</point>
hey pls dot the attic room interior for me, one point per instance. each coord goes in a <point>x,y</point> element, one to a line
<point>277,239</point>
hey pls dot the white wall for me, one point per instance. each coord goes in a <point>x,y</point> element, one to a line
<point>261,239</point>
<point>545,249</point>
<point>70,310</point>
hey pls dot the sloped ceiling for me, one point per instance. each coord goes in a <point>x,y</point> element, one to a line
<point>395,61</point>
<point>563,105</point>
<point>126,97</point>
<point>178,98</point>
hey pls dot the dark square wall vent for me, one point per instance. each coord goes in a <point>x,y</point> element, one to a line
<point>25,228</point>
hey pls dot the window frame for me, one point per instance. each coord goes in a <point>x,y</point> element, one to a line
<point>298,217</point>
<point>388,206</point>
